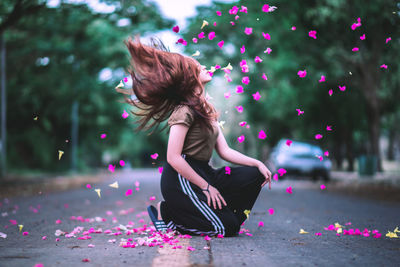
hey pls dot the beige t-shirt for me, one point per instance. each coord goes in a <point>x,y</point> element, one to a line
<point>199,143</point>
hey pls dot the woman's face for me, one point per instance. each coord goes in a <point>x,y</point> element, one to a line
<point>205,77</point>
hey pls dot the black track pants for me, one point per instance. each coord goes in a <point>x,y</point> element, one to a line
<point>185,206</point>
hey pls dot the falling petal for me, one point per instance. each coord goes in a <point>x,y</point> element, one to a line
<point>256,96</point>
<point>114,185</point>
<point>262,135</point>
<point>241,138</point>
<point>128,192</point>
<point>175,29</point>
<point>268,50</point>
<point>248,31</point>
<point>102,136</point>
<point>125,114</point>
<point>221,43</point>
<point>289,142</point>
<point>111,168</point>
<point>271,211</point>
<point>302,73</point>
<point>98,191</point>
<point>242,49</point>
<point>205,23</point>
<point>20,226</point>
<point>245,80</point>
<point>266,36</point>
<point>318,136</point>
<point>303,232</point>
<point>154,156</point>
<point>312,34</point>
<point>120,85</point>
<point>322,187</point>
<point>196,54</point>
<point>289,190</point>
<point>211,35</point>
<point>264,76</point>
<point>265,8</point>
<point>260,224</point>
<point>60,153</point>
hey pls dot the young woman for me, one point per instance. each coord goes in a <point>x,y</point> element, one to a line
<point>198,199</point>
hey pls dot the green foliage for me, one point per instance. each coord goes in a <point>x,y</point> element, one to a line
<point>330,55</point>
<point>53,59</point>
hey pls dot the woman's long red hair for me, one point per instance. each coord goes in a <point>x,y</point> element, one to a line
<point>161,80</point>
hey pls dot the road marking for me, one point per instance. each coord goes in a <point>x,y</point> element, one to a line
<point>172,257</point>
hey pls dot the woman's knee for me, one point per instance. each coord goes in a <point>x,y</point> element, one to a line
<point>258,177</point>
<point>231,226</point>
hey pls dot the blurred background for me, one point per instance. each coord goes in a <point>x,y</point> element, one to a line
<point>61,62</point>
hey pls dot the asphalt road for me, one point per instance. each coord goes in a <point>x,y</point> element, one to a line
<point>277,243</point>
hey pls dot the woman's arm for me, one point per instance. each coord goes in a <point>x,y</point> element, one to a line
<point>238,158</point>
<point>231,155</point>
<point>174,157</point>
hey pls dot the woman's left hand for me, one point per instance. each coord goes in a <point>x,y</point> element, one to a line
<point>266,172</point>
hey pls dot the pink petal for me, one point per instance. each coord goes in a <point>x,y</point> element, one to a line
<point>262,135</point>
<point>125,114</point>
<point>265,8</point>
<point>271,211</point>
<point>176,29</point>
<point>248,31</point>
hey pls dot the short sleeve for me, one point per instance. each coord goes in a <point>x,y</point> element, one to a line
<point>181,114</point>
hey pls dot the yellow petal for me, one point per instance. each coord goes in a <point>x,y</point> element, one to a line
<point>205,23</point>
<point>350,73</point>
<point>221,123</point>
<point>212,69</point>
<point>247,212</point>
<point>303,232</point>
<point>196,54</point>
<point>396,230</point>
<point>98,192</point>
<point>35,118</point>
<point>337,225</point>
<point>391,235</point>
<point>114,185</point>
<point>339,230</point>
<point>120,85</point>
<point>60,153</point>
<point>229,67</point>
<point>20,226</point>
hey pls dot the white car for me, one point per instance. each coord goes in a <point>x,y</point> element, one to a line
<point>301,158</point>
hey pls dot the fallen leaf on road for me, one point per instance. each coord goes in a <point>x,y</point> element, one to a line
<point>303,232</point>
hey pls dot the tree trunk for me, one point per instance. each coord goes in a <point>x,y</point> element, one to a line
<point>349,150</point>
<point>3,119</point>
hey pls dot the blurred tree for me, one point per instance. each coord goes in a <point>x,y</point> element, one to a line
<point>72,53</point>
<point>353,113</point>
